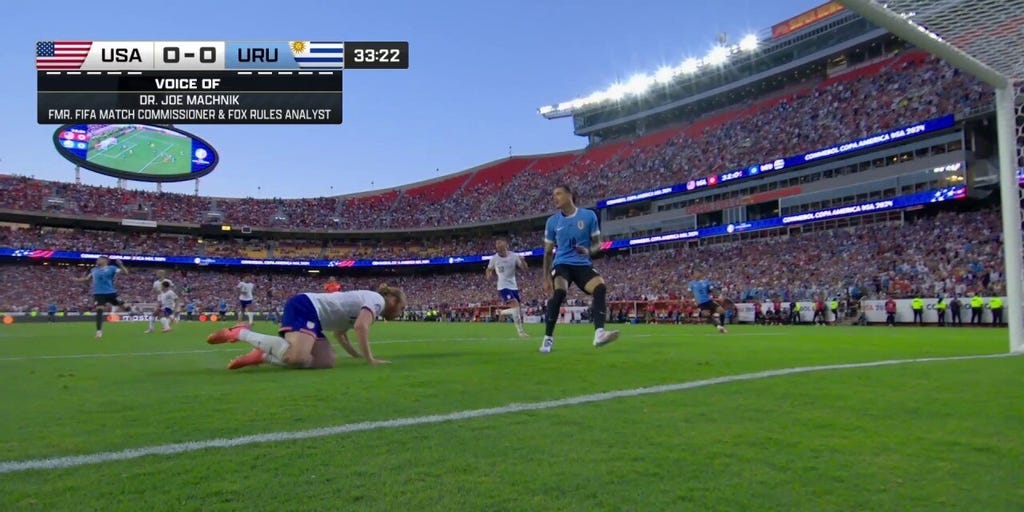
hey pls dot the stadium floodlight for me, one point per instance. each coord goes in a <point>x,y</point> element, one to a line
<point>690,66</point>
<point>718,56</point>
<point>749,43</point>
<point>986,39</point>
<point>664,75</point>
<point>618,91</point>
<point>638,84</point>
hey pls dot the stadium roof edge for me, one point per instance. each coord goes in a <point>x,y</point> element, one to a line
<point>763,36</point>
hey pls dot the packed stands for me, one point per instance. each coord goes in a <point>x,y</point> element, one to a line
<point>890,93</point>
<point>947,252</point>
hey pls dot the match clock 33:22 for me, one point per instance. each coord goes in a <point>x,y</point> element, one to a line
<point>377,55</point>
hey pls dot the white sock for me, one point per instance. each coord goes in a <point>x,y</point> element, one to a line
<point>271,345</point>
<point>517,320</point>
<point>250,316</point>
<point>166,322</point>
<point>272,359</point>
<point>151,322</point>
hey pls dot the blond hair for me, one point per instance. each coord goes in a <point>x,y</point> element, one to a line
<point>391,291</point>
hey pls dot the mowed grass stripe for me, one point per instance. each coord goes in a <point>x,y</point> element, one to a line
<point>177,448</point>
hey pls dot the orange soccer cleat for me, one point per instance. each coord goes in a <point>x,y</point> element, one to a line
<point>253,358</point>
<point>229,335</point>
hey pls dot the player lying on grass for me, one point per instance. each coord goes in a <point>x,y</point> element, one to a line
<point>301,342</point>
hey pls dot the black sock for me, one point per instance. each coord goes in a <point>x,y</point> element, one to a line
<point>554,304</point>
<point>721,319</point>
<point>99,319</point>
<point>598,306</point>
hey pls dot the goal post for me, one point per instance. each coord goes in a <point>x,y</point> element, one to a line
<point>986,39</point>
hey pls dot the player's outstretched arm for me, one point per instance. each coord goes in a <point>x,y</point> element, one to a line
<point>362,328</point>
<point>121,266</point>
<point>521,262</point>
<point>595,245</point>
<point>549,253</point>
<point>342,338</point>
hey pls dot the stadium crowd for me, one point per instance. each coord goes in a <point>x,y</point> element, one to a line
<point>117,242</point>
<point>948,253</point>
<point>896,92</point>
<point>88,240</point>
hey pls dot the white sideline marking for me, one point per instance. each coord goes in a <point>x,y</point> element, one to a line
<point>191,446</point>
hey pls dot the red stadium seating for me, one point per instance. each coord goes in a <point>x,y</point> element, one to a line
<point>872,98</point>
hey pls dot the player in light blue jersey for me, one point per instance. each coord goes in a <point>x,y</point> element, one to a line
<point>571,237</point>
<point>701,289</point>
<point>103,290</point>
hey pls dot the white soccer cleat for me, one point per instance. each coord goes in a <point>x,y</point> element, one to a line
<point>721,329</point>
<point>546,345</point>
<point>603,337</point>
<point>99,334</point>
<point>148,331</point>
<point>524,334</point>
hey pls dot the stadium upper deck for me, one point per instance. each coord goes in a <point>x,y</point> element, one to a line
<point>887,93</point>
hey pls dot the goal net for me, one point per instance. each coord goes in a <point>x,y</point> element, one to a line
<point>986,39</point>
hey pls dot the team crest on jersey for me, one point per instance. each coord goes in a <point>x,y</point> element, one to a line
<point>579,225</point>
<point>310,325</point>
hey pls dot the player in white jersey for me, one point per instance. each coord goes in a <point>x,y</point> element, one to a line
<point>161,276</point>
<point>168,299</point>
<point>301,342</point>
<point>504,263</point>
<point>245,288</point>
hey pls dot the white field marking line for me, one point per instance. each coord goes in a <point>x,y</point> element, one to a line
<point>158,155</point>
<point>104,151</point>
<point>191,446</point>
<point>114,157</point>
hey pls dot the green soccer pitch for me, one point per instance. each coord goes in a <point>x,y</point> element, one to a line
<point>926,435</point>
<point>146,152</point>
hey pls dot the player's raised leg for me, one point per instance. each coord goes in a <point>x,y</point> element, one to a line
<point>517,318</point>
<point>597,288</point>
<point>505,263</point>
<point>323,357</point>
<point>293,349</point>
<point>721,309</point>
<point>100,314</point>
<point>165,319</point>
<point>152,319</point>
<point>558,287</point>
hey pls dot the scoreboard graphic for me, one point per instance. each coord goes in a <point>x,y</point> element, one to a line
<point>201,82</point>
